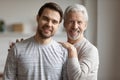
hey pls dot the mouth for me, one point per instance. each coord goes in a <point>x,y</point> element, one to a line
<point>74,32</point>
<point>47,30</point>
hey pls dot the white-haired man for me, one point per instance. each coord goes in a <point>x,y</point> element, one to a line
<point>83,58</point>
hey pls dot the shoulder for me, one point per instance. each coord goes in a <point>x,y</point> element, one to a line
<point>22,46</point>
<point>90,51</point>
<point>58,45</point>
<point>86,45</point>
<point>91,47</point>
<point>87,48</point>
<point>24,42</point>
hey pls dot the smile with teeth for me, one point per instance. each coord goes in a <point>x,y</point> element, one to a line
<point>74,32</point>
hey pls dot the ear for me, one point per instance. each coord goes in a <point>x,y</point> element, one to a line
<point>64,24</point>
<point>85,26</point>
<point>37,18</point>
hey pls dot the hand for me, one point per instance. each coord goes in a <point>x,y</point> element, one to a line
<point>13,43</point>
<point>71,49</point>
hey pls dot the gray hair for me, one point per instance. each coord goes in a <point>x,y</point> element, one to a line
<point>76,7</point>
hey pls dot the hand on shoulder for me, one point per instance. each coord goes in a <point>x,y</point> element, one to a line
<point>13,43</point>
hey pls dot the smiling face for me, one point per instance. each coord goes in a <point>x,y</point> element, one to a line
<point>75,25</point>
<point>48,23</point>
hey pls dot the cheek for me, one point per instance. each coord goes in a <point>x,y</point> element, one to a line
<point>67,27</point>
<point>82,28</point>
<point>55,28</point>
<point>85,26</point>
<point>41,22</point>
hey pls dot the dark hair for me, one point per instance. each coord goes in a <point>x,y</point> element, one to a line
<point>52,6</point>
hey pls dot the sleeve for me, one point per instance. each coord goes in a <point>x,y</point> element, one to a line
<point>10,66</point>
<point>86,64</point>
<point>64,74</point>
<point>65,77</point>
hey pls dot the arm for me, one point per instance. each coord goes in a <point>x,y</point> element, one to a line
<point>64,72</point>
<point>84,66</point>
<point>10,66</point>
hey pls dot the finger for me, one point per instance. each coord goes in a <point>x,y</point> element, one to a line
<point>17,40</point>
<point>12,44</point>
<point>22,39</point>
<point>8,50</point>
<point>64,44</point>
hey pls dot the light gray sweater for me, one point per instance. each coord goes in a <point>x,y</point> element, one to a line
<point>29,60</point>
<point>85,67</point>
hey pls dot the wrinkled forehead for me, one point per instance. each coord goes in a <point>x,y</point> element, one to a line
<point>73,14</point>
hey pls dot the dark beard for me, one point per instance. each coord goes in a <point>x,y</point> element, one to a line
<point>39,32</point>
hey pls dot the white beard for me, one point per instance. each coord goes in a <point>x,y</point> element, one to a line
<point>73,37</point>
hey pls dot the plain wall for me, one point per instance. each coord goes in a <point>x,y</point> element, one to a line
<point>108,39</point>
<point>91,32</point>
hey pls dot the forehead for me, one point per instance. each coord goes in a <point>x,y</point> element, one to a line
<point>52,14</point>
<point>75,15</point>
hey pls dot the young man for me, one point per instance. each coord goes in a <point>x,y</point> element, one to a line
<point>39,57</point>
<point>83,58</point>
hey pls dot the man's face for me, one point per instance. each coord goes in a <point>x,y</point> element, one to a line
<point>48,23</point>
<point>75,25</point>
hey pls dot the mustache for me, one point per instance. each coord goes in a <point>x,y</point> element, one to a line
<point>47,27</point>
<point>73,29</point>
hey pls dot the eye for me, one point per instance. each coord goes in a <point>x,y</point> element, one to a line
<point>55,22</point>
<point>79,22</point>
<point>70,22</point>
<point>45,18</point>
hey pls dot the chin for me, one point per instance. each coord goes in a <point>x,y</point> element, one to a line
<point>73,38</point>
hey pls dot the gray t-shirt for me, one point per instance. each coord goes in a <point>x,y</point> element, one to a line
<point>29,60</point>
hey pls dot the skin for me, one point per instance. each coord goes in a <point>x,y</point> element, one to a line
<point>75,25</point>
<point>48,24</point>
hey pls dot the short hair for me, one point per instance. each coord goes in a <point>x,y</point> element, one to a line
<point>52,6</point>
<point>76,7</point>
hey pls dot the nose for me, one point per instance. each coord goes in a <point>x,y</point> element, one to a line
<point>49,23</point>
<point>75,25</point>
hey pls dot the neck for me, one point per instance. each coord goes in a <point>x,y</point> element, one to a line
<point>41,40</point>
